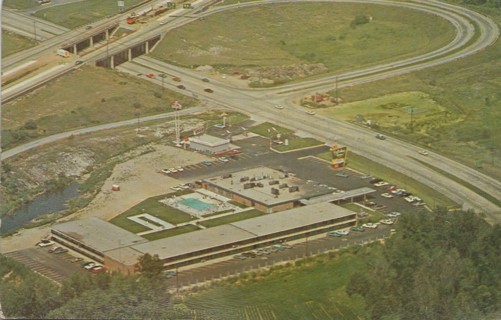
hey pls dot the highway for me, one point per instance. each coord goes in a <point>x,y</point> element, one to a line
<point>30,27</point>
<point>391,152</point>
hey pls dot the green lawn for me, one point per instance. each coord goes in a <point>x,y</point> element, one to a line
<point>268,129</point>
<point>170,232</point>
<point>285,34</point>
<point>314,290</point>
<point>12,43</point>
<point>152,207</point>
<point>19,4</point>
<point>231,218</point>
<point>362,164</point>
<point>73,15</point>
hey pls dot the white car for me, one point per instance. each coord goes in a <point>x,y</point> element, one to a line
<point>393,214</point>
<point>180,169</point>
<point>370,225</point>
<point>387,221</point>
<point>166,171</point>
<point>223,159</point>
<point>343,232</point>
<point>423,152</point>
<point>173,170</point>
<point>278,106</point>
<point>381,184</point>
<point>90,265</point>
<point>386,195</point>
<point>46,243</point>
<point>311,113</point>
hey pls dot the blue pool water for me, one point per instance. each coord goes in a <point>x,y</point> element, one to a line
<point>196,204</point>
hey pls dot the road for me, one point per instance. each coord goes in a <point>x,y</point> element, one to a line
<point>29,26</point>
<point>391,152</point>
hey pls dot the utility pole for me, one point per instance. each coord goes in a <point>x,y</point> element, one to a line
<point>335,92</point>
<point>412,123</point>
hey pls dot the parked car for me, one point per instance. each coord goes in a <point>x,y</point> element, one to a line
<point>311,113</point>
<point>380,136</point>
<point>387,221</point>
<point>170,273</point>
<point>77,259</point>
<point>51,250</point>
<point>239,257</point>
<point>334,234</point>
<point>166,171</point>
<point>223,159</point>
<point>45,243</point>
<point>393,214</point>
<point>180,169</point>
<point>357,228</point>
<point>89,265</point>
<point>207,163</point>
<point>60,250</point>
<point>278,106</point>
<point>98,269</point>
<point>386,195</point>
<point>370,225</point>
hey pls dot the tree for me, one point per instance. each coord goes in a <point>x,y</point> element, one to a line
<point>149,265</point>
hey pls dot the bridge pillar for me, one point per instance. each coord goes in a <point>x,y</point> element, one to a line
<point>107,34</point>
<point>91,42</point>
<point>147,50</point>
<point>112,62</point>
<point>75,52</point>
<point>129,54</point>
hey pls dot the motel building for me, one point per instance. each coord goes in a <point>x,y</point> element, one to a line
<point>296,211</point>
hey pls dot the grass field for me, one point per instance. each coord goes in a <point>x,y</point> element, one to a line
<point>73,15</point>
<point>362,164</point>
<point>153,207</point>
<point>20,4</point>
<point>12,43</point>
<point>85,97</point>
<point>313,290</point>
<point>298,143</point>
<point>394,111</point>
<point>231,218</point>
<point>271,131</point>
<point>170,232</point>
<point>286,34</point>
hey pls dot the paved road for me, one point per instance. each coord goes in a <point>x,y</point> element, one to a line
<point>29,26</point>
<point>392,153</point>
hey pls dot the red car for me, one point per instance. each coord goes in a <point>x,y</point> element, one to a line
<point>150,75</point>
<point>176,79</point>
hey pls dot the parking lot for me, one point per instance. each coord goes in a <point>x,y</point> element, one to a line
<point>56,267</point>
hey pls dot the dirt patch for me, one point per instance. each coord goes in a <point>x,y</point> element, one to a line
<point>280,74</point>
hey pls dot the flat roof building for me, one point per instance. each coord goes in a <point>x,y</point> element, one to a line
<point>209,144</point>
<point>266,189</point>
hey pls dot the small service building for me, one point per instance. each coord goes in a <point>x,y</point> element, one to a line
<point>209,144</point>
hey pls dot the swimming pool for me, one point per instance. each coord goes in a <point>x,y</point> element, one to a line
<point>196,204</point>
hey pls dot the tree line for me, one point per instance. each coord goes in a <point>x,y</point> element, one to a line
<point>440,265</point>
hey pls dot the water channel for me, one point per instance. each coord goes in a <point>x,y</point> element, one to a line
<point>44,204</point>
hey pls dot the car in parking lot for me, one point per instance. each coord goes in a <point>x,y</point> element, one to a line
<point>370,225</point>
<point>342,174</point>
<point>208,90</point>
<point>249,254</point>
<point>170,273</point>
<point>179,169</point>
<point>97,269</point>
<point>239,257</point>
<point>223,159</point>
<point>357,228</point>
<point>380,136</point>
<point>60,250</point>
<point>45,243</point>
<point>207,163</point>
<point>393,214</point>
<point>381,184</point>
<point>375,180</point>
<point>173,170</point>
<point>89,265</point>
<point>166,171</point>
<point>386,195</point>
<point>279,106</point>
<point>54,248</point>
<point>387,221</point>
